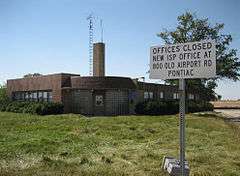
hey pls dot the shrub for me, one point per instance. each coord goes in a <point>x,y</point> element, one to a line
<point>208,106</point>
<point>49,108</point>
<point>40,108</point>
<point>3,105</point>
<point>151,108</point>
<point>4,100</point>
<point>170,107</point>
<point>15,107</point>
<point>199,106</point>
<point>140,108</point>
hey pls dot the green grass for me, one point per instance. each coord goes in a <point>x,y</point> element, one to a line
<point>124,145</point>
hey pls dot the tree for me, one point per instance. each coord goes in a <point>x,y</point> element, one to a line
<point>3,94</point>
<point>219,97</point>
<point>29,75</point>
<point>191,29</point>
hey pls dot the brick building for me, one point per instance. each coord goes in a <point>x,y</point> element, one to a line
<point>91,95</point>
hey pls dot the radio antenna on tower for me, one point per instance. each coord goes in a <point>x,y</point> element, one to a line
<point>101,25</point>
<point>90,43</point>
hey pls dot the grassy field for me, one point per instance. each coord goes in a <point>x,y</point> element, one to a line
<point>124,145</point>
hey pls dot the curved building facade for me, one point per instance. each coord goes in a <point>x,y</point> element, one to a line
<point>100,95</point>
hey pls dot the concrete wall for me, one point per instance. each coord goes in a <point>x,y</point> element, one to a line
<point>67,100</point>
<point>115,102</point>
<point>82,102</point>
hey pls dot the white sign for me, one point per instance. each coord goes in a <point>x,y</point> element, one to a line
<point>184,60</point>
<point>99,100</point>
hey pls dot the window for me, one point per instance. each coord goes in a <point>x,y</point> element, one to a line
<point>18,96</point>
<point>22,96</point>
<point>33,96</point>
<point>40,96</point>
<point>45,96</point>
<point>30,96</point>
<point>26,96</point>
<point>161,95</point>
<point>150,95</point>
<point>145,95</point>
<point>191,96</point>
<point>175,96</point>
<point>49,96</point>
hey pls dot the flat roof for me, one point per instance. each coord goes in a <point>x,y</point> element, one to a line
<point>53,74</point>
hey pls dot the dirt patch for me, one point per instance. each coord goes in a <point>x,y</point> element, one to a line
<point>227,104</point>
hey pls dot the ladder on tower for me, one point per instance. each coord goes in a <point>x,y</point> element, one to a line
<point>90,43</point>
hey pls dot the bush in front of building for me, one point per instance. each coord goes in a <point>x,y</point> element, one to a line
<point>3,105</point>
<point>160,107</point>
<point>47,108</point>
<point>15,106</point>
<point>199,106</point>
<point>170,107</point>
<point>40,108</point>
<point>157,107</point>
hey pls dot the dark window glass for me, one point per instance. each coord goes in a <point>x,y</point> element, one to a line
<point>49,96</point>
<point>33,96</point>
<point>40,96</point>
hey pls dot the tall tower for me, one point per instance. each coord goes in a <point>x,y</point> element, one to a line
<point>90,43</point>
<point>99,59</point>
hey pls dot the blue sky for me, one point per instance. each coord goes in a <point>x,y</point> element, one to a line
<point>51,36</point>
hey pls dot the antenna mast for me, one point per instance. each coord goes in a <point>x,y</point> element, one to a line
<point>101,25</point>
<point>90,43</point>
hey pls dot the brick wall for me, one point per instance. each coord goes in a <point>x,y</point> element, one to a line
<point>53,82</point>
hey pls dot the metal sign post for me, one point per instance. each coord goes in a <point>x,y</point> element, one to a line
<point>182,125</point>
<point>182,61</point>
